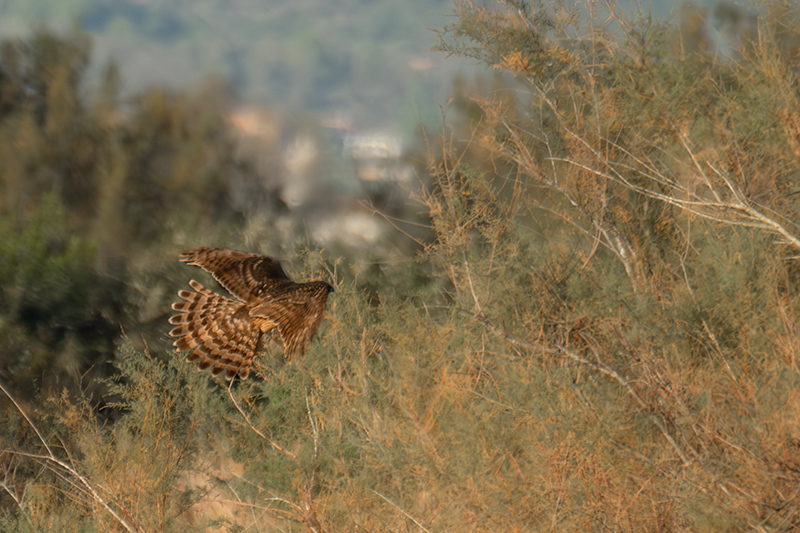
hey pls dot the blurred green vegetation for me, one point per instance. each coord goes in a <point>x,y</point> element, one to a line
<point>346,57</point>
<point>86,188</point>
<point>597,331</point>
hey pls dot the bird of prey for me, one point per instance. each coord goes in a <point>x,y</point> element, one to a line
<point>226,333</point>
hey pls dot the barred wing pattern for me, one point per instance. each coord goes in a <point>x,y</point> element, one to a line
<point>225,334</point>
<point>217,330</point>
<point>246,276</point>
<point>297,314</point>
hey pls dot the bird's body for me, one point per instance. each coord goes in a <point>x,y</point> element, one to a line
<point>225,334</point>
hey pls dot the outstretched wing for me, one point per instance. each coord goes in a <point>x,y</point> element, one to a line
<point>247,276</point>
<point>297,313</point>
<point>219,331</point>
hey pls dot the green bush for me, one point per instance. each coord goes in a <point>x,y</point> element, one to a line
<point>57,313</point>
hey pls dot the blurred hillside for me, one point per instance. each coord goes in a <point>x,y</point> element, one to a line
<point>367,62</point>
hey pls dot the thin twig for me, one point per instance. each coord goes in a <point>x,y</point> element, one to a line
<point>11,492</point>
<point>313,426</point>
<point>259,433</point>
<point>402,511</point>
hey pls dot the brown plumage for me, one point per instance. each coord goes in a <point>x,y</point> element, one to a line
<point>225,334</point>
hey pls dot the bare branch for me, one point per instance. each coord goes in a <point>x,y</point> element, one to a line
<point>256,430</point>
<point>556,348</point>
<point>51,459</point>
<point>405,513</point>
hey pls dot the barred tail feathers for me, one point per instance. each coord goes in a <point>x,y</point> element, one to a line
<point>213,327</point>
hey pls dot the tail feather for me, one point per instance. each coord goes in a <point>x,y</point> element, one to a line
<point>218,335</point>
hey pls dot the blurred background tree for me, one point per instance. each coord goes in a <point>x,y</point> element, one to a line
<point>87,186</point>
<point>368,62</point>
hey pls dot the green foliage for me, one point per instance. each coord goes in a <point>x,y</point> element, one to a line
<point>80,188</point>
<point>46,264</point>
<point>52,301</point>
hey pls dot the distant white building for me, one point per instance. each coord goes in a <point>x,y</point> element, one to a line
<point>374,145</point>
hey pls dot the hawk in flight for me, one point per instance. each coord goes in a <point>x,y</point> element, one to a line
<point>225,334</point>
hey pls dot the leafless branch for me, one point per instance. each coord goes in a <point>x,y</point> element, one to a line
<point>405,513</point>
<point>53,461</point>
<point>272,443</point>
